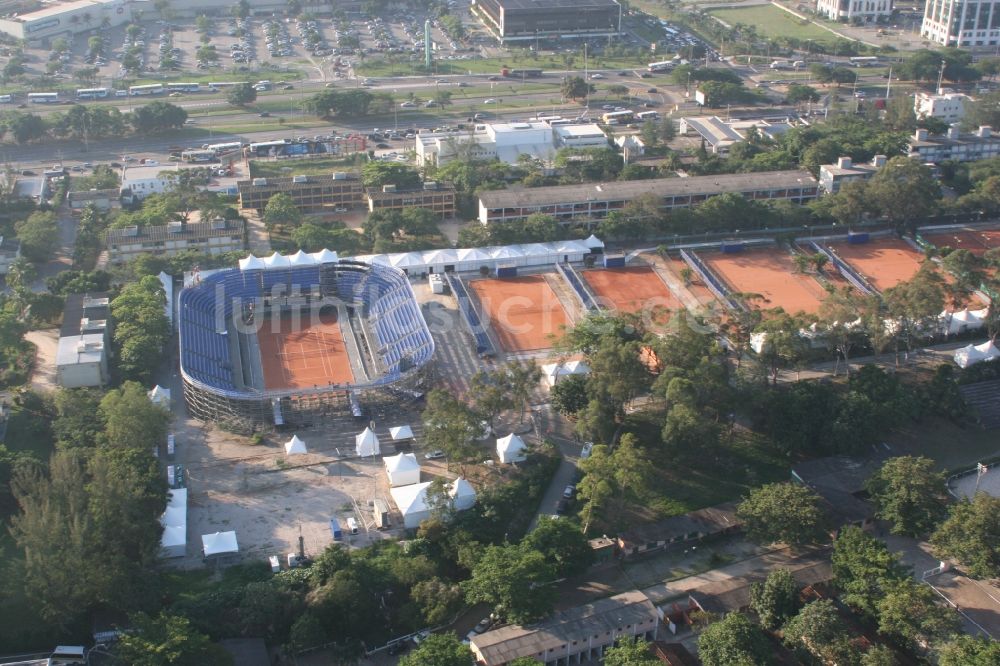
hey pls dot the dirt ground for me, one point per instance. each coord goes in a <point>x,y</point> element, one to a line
<point>43,378</point>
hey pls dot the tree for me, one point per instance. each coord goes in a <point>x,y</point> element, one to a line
<point>242,94</point>
<point>575,87</point>
<point>798,93</point>
<point>342,103</point>
<point>817,629</point>
<point>916,303</point>
<point>450,426</point>
<point>157,117</point>
<point>911,614</point>
<point>564,546</point>
<point>141,327</point>
<point>970,535</point>
<point>377,174</point>
<point>909,493</point>
<point>131,420</point>
<point>733,641</point>
<point>439,601</point>
<point>612,479</point>
<point>439,650</point>
<point>630,652</point>
<point>864,569</point>
<point>490,393</point>
<point>281,211</point>
<point>837,314</point>
<point>968,650</point>
<point>26,127</point>
<point>776,599</point>
<point>904,192</point>
<point>522,378</point>
<point>785,512</point>
<point>39,236</point>
<point>167,639</point>
<point>569,395</point>
<point>514,580</point>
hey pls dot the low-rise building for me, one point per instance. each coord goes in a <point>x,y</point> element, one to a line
<point>311,194</point>
<point>954,146</point>
<point>855,11</point>
<point>568,203</point>
<point>66,18</point>
<point>215,237</point>
<point>833,176</point>
<point>720,135</point>
<point>571,636</point>
<point>693,526</point>
<point>529,20</point>
<point>82,352</point>
<point>138,182</point>
<point>436,197</point>
<point>10,250</point>
<point>35,188</point>
<point>947,106</point>
<point>494,141</point>
<point>101,199</point>
<point>840,483</point>
<point>589,135</point>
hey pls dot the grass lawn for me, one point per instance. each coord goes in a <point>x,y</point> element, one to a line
<point>305,167</point>
<point>382,67</point>
<point>773,22</point>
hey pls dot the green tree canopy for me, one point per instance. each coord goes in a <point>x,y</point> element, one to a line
<point>39,236</point>
<point>786,512</point>
<point>910,494</point>
<point>970,535</point>
<point>377,174</point>
<point>911,614</point>
<point>575,87</point>
<point>141,327</point>
<point>167,640</point>
<point>734,640</point>
<point>439,650</point>
<point>514,580</point>
<point>776,599</point>
<point>562,543</point>
<point>281,210</point>
<point>970,651</point>
<point>157,117</point>
<point>864,569</point>
<point>242,94</point>
<point>630,653</point>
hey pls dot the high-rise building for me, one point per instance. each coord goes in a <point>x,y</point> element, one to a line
<point>964,23</point>
<point>854,11</point>
<point>524,20</point>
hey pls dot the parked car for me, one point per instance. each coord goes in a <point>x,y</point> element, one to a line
<point>569,491</point>
<point>434,455</point>
<point>483,625</point>
<point>408,105</point>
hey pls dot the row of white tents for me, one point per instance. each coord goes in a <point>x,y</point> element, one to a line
<point>972,354</point>
<point>553,372</point>
<point>412,500</point>
<point>173,542</point>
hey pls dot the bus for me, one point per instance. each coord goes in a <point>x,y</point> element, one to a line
<point>198,156</point>
<point>92,93</point>
<point>151,89</point>
<point>520,73</point>
<point>215,85</point>
<point>547,119</point>
<point>221,148</point>
<point>184,87</point>
<point>864,61</point>
<point>662,66</point>
<point>6,99</point>
<point>617,117</point>
<point>44,98</point>
<point>647,115</point>
<point>560,121</point>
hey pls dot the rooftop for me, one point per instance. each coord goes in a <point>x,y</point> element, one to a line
<point>715,130</point>
<point>733,594</point>
<point>569,5</point>
<point>174,231</point>
<point>438,188</point>
<point>839,480</point>
<point>579,131</point>
<point>605,615</point>
<point>711,520</point>
<point>662,187</point>
<point>82,312</point>
<point>58,8</point>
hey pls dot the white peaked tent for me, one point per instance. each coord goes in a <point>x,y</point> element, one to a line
<point>593,242</point>
<point>173,543</point>
<point>252,263</point>
<point>219,543</point>
<point>511,449</point>
<point>400,433</point>
<point>402,469</point>
<point>366,444</point>
<point>973,354</point>
<point>412,503</point>
<point>276,260</point>
<point>325,256</point>
<point>159,396</point>
<point>963,320</point>
<point>295,446</point>
<point>555,371</point>
<point>300,258</point>
<point>463,495</point>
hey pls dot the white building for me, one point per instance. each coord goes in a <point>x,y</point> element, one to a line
<point>962,23</point>
<point>832,177</point>
<point>67,18</point>
<point>954,145</point>
<point>854,11</point>
<point>507,142</point>
<point>139,182</point>
<point>720,135</point>
<point>589,135</point>
<point>82,353</point>
<point>946,106</point>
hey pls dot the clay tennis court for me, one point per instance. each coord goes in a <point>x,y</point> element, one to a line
<point>770,273</point>
<point>524,311</point>
<point>630,289</point>
<point>313,355</point>
<point>884,262</point>
<point>975,241</point>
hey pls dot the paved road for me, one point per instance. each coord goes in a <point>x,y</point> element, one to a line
<point>554,427</point>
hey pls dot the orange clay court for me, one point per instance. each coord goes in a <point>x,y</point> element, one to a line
<point>312,356</point>
<point>974,240</point>
<point>770,273</point>
<point>884,262</point>
<point>524,311</point>
<point>631,289</point>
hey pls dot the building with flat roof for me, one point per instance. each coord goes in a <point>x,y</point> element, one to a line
<point>693,526</point>
<point>962,23</point>
<point>311,194</point>
<point>954,145</point>
<point>67,18</point>
<point>833,176</point>
<point>526,20</point>
<point>721,135</point>
<point>436,197</point>
<point>840,483</point>
<point>82,352</point>
<point>138,182</point>
<point>595,200</point>
<point>215,237</point>
<point>494,141</point>
<point>101,199</point>
<point>585,135</point>
<point>946,106</point>
<point>855,11</point>
<point>570,636</point>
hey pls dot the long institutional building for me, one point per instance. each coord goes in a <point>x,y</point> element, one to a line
<point>855,11</point>
<point>962,23</point>
<point>595,200</point>
<point>524,20</point>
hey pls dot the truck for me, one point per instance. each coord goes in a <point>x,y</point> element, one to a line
<point>520,73</point>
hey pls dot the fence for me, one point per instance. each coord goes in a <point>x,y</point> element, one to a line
<point>852,276</point>
<point>711,281</point>
<point>582,293</point>
<point>469,315</point>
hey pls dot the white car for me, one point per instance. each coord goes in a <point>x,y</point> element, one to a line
<point>598,75</point>
<point>489,101</point>
<point>408,105</point>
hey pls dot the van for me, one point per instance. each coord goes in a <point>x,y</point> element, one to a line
<point>67,655</point>
<point>352,525</point>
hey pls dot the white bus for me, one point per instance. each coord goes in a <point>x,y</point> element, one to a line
<point>647,115</point>
<point>198,155</point>
<point>6,99</point>
<point>44,98</point>
<point>560,121</point>
<point>864,61</point>
<point>661,66</point>
<point>547,119</point>
<point>617,117</point>
<point>184,87</point>
<point>221,148</point>
<point>91,93</point>
<point>150,89</point>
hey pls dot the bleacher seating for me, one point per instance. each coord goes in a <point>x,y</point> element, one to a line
<point>709,278</point>
<point>852,276</point>
<point>469,314</point>
<point>581,291</point>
